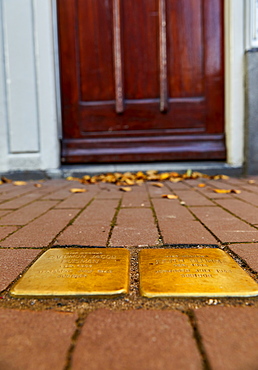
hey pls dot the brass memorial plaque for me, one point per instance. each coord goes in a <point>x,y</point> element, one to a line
<point>207,272</point>
<point>76,272</point>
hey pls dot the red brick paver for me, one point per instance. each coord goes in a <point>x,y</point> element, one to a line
<point>28,213</point>
<point>35,340</point>
<point>136,340</point>
<point>132,332</point>
<point>249,252</point>
<point>6,230</point>
<point>229,336</point>
<point>13,262</point>
<point>41,231</point>
<point>225,226</point>
<point>135,226</point>
<point>92,225</point>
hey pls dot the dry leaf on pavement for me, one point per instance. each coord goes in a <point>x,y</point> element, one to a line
<point>169,196</point>
<point>77,190</point>
<point>125,188</point>
<point>19,183</point>
<point>6,180</point>
<point>226,191</point>
<point>158,184</point>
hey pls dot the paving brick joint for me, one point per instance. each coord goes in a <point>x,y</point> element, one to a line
<point>129,332</point>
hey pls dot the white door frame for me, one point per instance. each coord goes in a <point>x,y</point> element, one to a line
<point>234,26</point>
<point>45,81</point>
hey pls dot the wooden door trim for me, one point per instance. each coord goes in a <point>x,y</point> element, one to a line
<point>195,147</point>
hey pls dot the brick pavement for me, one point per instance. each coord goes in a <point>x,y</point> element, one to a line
<point>129,332</point>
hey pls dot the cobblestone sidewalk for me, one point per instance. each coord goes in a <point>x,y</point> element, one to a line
<point>129,332</point>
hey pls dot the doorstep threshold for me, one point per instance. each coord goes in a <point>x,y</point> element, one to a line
<point>78,170</point>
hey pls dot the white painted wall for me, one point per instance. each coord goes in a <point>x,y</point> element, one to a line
<point>29,120</point>
<point>234,80</point>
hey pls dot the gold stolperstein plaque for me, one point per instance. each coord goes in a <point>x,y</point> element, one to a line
<point>76,272</point>
<point>207,272</point>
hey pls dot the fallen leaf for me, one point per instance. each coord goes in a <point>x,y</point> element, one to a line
<point>86,177</point>
<point>38,185</point>
<point>174,174</point>
<point>19,183</point>
<point>129,182</point>
<point>251,181</point>
<point>222,191</point>
<point>235,191</point>
<point>201,185</point>
<point>6,180</point>
<point>151,172</point>
<point>169,196</point>
<point>126,188</point>
<point>71,178</point>
<point>164,176</point>
<point>226,191</point>
<point>140,175</point>
<point>175,179</point>
<point>1,182</point>
<point>77,190</point>
<point>139,182</point>
<point>220,177</point>
<point>158,185</point>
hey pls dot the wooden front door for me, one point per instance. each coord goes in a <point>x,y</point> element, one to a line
<point>141,80</point>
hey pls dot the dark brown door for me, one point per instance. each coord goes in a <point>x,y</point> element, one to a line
<point>141,80</point>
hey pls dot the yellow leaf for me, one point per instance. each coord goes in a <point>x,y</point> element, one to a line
<point>235,191</point>
<point>129,182</point>
<point>169,196</point>
<point>151,172</point>
<point>38,185</point>
<point>140,175</point>
<point>222,191</point>
<point>251,181</point>
<point>139,182</point>
<point>6,180</point>
<point>164,176</point>
<point>158,185</point>
<point>126,188</point>
<point>175,179</point>
<point>201,185</point>
<point>174,174</point>
<point>86,177</point>
<point>19,183</point>
<point>220,177</point>
<point>77,190</point>
<point>227,191</point>
<point>71,178</point>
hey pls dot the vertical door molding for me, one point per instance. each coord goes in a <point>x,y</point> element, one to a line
<point>163,56</point>
<point>118,56</point>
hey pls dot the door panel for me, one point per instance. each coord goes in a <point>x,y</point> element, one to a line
<point>185,48</point>
<point>141,80</point>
